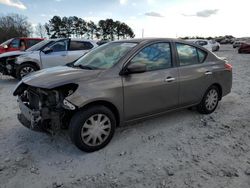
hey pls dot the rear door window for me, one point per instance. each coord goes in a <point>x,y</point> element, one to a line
<point>80,45</point>
<point>189,55</point>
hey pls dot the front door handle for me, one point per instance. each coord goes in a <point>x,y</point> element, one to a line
<point>208,73</point>
<point>169,79</point>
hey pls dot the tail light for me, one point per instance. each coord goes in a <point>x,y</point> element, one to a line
<point>228,67</point>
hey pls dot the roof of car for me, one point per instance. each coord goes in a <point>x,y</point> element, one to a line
<point>194,40</point>
<point>142,39</point>
<point>139,40</point>
<point>29,38</point>
<point>73,39</point>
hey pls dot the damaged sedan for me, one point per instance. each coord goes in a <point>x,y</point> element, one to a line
<point>121,82</point>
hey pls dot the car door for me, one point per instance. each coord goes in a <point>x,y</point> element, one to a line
<point>78,49</point>
<point>193,73</point>
<point>155,90</point>
<point>57,56</point>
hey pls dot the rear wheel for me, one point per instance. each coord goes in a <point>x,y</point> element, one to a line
<point>25,69</point>
<point>210,100</point>
<point>93,128</point>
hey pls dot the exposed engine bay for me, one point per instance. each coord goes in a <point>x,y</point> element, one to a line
<point>45,109</point>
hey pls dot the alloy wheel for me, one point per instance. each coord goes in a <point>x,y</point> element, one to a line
<point>26,70</point>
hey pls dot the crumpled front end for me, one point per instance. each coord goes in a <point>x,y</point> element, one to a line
<point>45,110</point>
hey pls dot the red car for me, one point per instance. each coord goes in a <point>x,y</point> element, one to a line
<point>16,44</point>
<point>244,48</point>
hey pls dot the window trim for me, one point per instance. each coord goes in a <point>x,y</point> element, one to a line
<point>128,62</point>
<point>194,46</point>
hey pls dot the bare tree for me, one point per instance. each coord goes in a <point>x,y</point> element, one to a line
<point>40,30</point>
<point>14,25</point>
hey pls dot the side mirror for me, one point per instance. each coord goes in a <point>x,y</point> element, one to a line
<point>135,68</point>
<point>5,46</point>
<point>47,50</point>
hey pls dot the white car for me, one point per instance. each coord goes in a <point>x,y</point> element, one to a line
<point>211,45</point>
<point>48,53</point>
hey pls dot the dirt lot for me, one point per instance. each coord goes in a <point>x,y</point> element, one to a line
<point>180,149</point>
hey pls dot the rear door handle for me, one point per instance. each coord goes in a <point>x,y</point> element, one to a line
<point>208,73</point>
<point>169,79</point>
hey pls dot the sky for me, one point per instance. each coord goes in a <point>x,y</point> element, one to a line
<point>154,18</point>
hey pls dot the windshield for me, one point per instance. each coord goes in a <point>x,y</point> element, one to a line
<point>39,45</point>
<point>104,57</point>
<point>6,42</point>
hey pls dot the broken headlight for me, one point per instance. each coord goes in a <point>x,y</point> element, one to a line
<point>66,91</point>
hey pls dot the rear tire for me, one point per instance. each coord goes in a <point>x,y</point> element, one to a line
<point>210,101</point>
<point>92,129</point>
<point>25,69</point>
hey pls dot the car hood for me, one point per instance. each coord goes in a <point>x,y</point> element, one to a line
<point>14,53</point>
<point>58,76</point>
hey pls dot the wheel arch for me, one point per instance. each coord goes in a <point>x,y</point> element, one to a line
<point>32,63</point>
<point>219,88</point>
<point>107,104</point>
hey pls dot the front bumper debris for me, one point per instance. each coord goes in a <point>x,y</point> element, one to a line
<point>30,118</point>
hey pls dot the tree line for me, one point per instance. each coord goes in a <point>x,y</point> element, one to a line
<point>16,25</point>
<point>74,26</point>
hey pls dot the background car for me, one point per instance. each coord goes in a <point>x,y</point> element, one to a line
<point>121,82</point>
<point>208,44</point>
<point>48,53</point>
<point>237,44</point>
<point>215,45</point>
<point>17,44</point>
<point>7,60</point>
<point>244,48</point>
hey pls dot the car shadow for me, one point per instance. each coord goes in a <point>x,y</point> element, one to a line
<point>6,80</point>
<point>46,145</point>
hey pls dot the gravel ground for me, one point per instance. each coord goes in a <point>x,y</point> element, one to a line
<point>180,149</point>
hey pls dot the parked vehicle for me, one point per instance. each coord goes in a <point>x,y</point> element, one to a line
<point>7,60</point>
<point>215,45</point>
<point>244,48</point>
<point>121,82</point>
<point>237,44</point>
<point>16,44</point>
<point>208,44</point>
<point>48,53</point>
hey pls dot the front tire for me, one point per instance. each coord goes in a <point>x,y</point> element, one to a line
<point>92,129</point>
<point>25,69</point>
<point>210,101</point>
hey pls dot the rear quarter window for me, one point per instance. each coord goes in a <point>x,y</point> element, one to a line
<point>201,55</point>
<point>80,45</point>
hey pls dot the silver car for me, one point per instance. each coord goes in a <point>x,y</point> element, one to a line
<point>121,82</point>
<point>48,53</point>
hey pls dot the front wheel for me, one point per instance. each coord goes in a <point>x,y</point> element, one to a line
<point>92,129</point>
<point>25,69</point>
<point>210,101</point>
